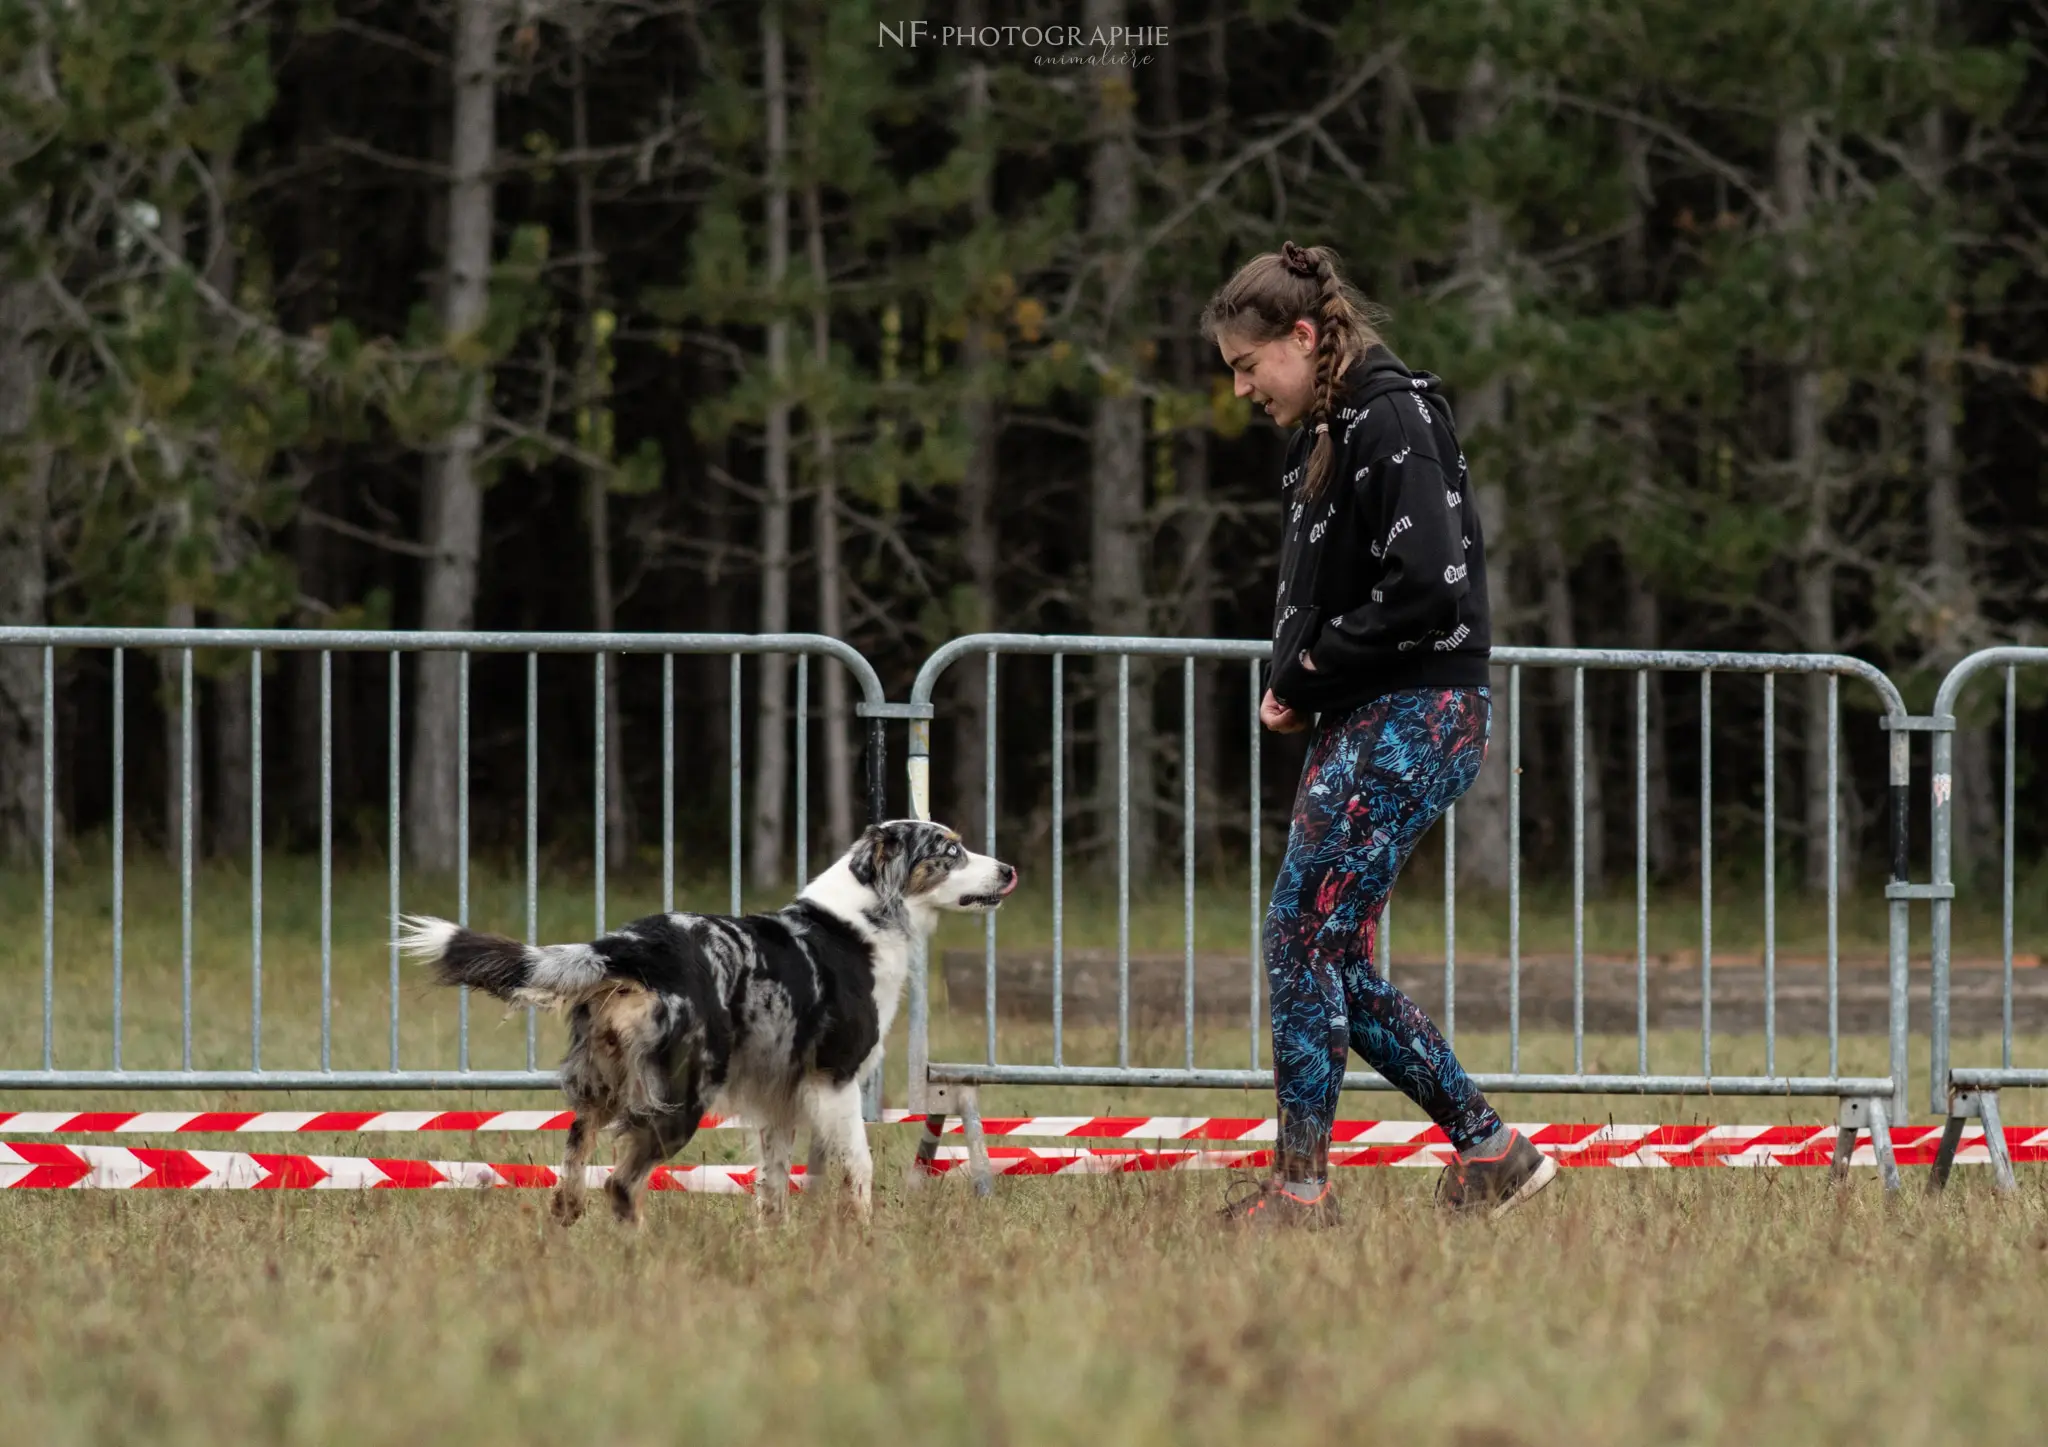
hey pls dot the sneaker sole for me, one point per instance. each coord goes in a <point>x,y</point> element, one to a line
<point>1542,1176</point>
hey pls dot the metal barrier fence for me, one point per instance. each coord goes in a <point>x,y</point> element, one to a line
<point>395,645</point>
<point>1971,1092</point>
<point>950,1086</point>
<point>1867,1102</point>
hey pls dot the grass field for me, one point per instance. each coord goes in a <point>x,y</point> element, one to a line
<point>1630,1308</point>
<point>1626,1307</point>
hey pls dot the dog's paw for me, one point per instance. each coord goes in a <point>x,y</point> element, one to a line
<point>625,1206</point>
<point>567,1209</point>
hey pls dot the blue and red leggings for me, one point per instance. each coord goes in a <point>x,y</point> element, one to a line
<point>1374,782</point>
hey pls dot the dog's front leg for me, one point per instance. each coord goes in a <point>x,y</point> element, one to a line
<point>836,1121</point>
<point>778,1154</point>
<point>568,1202</point>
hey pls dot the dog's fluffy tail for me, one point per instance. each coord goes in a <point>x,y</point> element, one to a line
<point>517,974</point>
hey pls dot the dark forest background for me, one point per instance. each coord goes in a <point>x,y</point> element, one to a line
<point>688,315</point>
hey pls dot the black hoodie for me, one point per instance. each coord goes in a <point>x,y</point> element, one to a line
<point>1383,575</point>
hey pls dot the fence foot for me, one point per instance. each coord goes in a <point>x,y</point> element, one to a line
<point>978,1168</point>
<point>1881,1146</point>
<point>1994,1142</point>
<point>1945,1153</point>
<point>1861,1115</point>
<point>925,1166</point>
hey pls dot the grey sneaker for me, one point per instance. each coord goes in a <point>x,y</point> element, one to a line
<point>1497,1184</point>
<point>1268,1203</point>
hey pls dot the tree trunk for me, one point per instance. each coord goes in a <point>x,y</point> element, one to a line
<point>1483,812</point>
<point>1646,630</point>
<point>233,744</point>
<point>170,674</point>
<point>1950,547</point>
<point>593,401</point>
<point>233,728</point>
<point>24,567</point>
<point>838,716</point>
<point>1645,621</point>
<point>184,796</point>
<point>1396,102</point>
<point>967,680</point>
<point>453,522</point>
<point>1193,363</point>
<point>1117,602</point>
<point>980,353</point>
<point>311,553</point>
<point>1810,485</point>
<point>1561,631</point>
<point>771,737</point>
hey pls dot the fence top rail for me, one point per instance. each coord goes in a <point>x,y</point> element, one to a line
<point>1666,660</point>
<point>389,640</point>
<point>1975,663</point>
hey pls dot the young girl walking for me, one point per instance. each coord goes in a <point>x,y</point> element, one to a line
<point>1380,646</point>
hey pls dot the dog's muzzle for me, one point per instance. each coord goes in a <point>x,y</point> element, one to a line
<point>1006,877</point>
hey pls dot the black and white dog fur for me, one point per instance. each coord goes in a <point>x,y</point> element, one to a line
<point>774,1017</point>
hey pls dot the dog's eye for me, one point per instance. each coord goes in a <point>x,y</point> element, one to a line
<point>956,852</point>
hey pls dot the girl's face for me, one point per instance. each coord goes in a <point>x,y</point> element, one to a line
<point>1279,375</point>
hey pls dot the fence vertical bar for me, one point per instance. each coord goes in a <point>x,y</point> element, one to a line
<point>1707,873</point>
<point>1059,859</point>
<point>1834,880</point>
<point>1187,854</point>
<point>1515,868</point>
<point>462,843</point>
<point>1451,923</point>
<point>1642,871</point>
<point>668,782</point>
<point>1252,1010</point>
<point>2005,921</point>
<point>532,832</point>
<point>803,771</point>
<point>1123,859</point>
<point>1579,870</point>
<point>256,859</point>
<point>1899,926</point>
<point>50,867</point>
<point>988,804</point>
<point>120,833</point>
<point>1770,874</point>
<point>733,803</point>
<point>185,832</point>
<point>918,769</point>
<point>393,814</point>
<point>597,790</point>
<point>326,859</point>
<point>1940,821</point>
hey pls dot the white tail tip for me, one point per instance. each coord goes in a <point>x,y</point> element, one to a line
<point>425,938</point>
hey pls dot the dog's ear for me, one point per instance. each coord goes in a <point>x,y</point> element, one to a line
<point>869,854</point>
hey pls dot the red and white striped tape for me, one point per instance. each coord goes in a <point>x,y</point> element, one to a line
<point>1378,1142</point>
<point>1623,1147</point>
<point>33,1165</point>
<point>318,1122</point>
<point>289,1122</point>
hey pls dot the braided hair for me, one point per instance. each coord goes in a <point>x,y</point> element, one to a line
<point>1276,289</point>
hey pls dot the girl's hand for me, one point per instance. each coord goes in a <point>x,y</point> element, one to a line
<point>1278,717</point>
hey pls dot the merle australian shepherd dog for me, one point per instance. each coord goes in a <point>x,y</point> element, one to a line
<point>776,1017</point>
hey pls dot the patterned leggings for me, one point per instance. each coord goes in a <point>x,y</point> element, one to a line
<point>1374,782</point>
